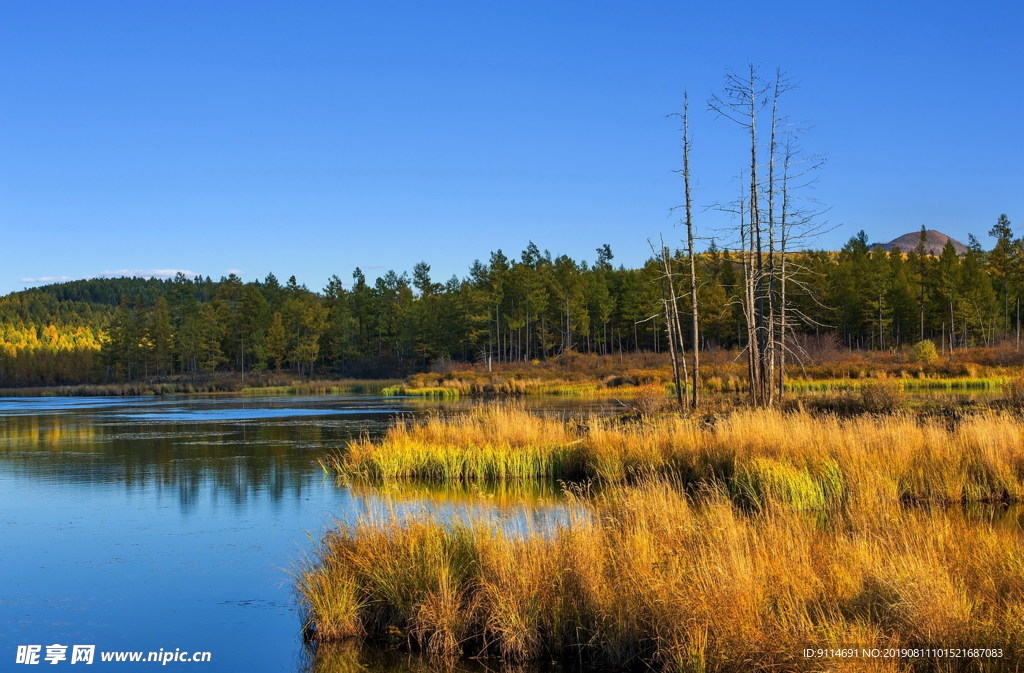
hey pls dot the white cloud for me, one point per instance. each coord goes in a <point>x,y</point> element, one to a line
<point>46,279</point>
<point>135,273</point>
<point>147,273</point>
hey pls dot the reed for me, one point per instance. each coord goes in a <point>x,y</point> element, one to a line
<point>907,383</point>
<point>322,387</point>
<point>818,460</point>
<point>493,443</point>
<point>262,384</point>
<point>823,370</point>
<point>435,392</point>
<point>649,576</point>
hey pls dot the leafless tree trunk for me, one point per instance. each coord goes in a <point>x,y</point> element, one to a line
<point>767,221</point>
<point>770,337</point>
<point>672,351</point>
<point>694,314</point>
<point>783,278</point>
<point>672,324</point>
<point>748,304</point>
<point>741,101</point>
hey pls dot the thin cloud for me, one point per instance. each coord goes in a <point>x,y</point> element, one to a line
<point>147,273</point>
<point>46,279</point>
<point>118,273</point>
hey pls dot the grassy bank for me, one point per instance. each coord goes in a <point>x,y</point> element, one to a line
<point>647,576</point>
<point>253,385</point>
<point>820,369</point>
<point>816,461</point>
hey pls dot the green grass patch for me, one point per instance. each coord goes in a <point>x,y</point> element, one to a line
<point>434,392</point>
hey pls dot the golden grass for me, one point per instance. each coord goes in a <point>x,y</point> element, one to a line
<point>647,575</point>
<point>254,384</point>
<point>975,369</point>
<point>813,461</point>
<point>431,392</point>
<point>513,384</point>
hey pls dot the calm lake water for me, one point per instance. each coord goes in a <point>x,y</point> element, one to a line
<point>149,523</point>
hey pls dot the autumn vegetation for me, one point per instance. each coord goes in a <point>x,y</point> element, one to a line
<point>807,501</point>
<point>647,576</point>
<point>690,544</point>
<point>751,455</point>
<point>872,306</point>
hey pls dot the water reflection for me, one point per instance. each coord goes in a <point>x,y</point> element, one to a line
<point>141,523</point>
<point>227,450</point>
<point>1007,516</point>
<point>353,658</point>
<point>233,453</point>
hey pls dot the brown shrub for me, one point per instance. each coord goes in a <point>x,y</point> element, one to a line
<point>882,397</point>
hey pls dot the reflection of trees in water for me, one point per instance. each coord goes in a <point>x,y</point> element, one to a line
<point>232,462</point>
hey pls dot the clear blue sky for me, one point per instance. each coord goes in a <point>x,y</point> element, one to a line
<point>309,138</point>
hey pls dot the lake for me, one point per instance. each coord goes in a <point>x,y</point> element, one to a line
<point>142,524</point>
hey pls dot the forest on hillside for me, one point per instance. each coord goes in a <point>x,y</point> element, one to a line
<point>524,308</point>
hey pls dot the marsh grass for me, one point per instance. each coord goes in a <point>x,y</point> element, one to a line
<point>648,576</point>
<point>813,461</point>
<point>1013,391</point>
<point>823,370</point>
<point>724,543</point>
<point>435,392</point>
<point>492,443</point>
<point>323,387</point>
<point>907,383</point>
<point>265,384</point>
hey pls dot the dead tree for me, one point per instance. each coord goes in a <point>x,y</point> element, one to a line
<point>687,220</point>
<point>694,314</point>
<point>741,102</point>
<point>766,228</point>
<point>673,325</point>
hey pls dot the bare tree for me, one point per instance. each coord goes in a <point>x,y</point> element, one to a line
<point>673,326</point>
<point>769,225</point>
<point>742,100</point>
<point>694,314</point>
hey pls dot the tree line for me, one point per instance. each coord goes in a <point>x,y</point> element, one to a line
<point>762,293</point>
<point>507,309</point>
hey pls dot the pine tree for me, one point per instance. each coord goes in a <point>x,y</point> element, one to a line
<point>162,342</point>
<point>276,341</point>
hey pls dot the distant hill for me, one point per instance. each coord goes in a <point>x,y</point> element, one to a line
<point>936,241</point>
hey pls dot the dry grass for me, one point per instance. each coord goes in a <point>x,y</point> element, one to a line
<point>1013,391</point>
<point>820,461</point>
<point>254,384</point>
<point>649,575</point>
<point>822,368</point>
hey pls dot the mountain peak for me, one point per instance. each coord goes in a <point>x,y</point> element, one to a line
<point>935,241</point>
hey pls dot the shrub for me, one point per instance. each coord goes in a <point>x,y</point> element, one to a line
<point>924,352</point>
<point>1014,391</point>
<point>649,400</point>
<point>882,397</point>
<point>442,365</point>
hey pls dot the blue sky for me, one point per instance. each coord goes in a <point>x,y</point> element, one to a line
<point>309,138</point>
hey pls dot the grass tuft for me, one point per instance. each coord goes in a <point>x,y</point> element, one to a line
<point>805,461</point>
<point>648,575</point>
